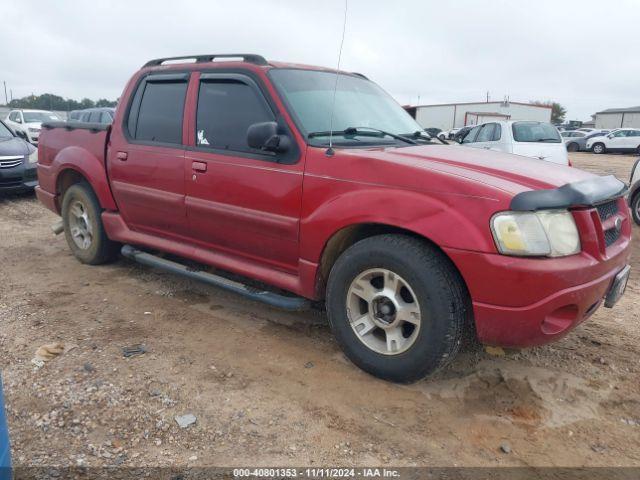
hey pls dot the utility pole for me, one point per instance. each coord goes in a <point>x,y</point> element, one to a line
<point>488,96</point>
<point>6,100</point>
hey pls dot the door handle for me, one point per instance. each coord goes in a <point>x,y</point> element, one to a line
<point>199,166</point>
<point>122,156</point>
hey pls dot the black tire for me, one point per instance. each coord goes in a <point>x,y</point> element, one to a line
<point>573,147</point>
<point>635,207</point>
<point>443,300</point>
<point>599,148</point>
<point>99,249</point>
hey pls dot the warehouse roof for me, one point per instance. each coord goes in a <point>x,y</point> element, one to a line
<point>621,110</point>
<point>533,105</point>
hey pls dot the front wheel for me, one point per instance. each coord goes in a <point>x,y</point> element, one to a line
<point>397,307</point>
<point>599,148</point>
<point>83,227</point>
<point>635,207</point>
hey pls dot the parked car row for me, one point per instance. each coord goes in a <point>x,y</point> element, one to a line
<point>28,123</point>
<point>93,115</point>
<point>576,140</point>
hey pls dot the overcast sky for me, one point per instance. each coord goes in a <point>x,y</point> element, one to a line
<point>584,54</point>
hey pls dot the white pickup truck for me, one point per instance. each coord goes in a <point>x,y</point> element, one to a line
<point>539,140</point>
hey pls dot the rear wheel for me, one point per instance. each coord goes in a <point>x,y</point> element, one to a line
<point>599,148</point>
<point>397,307</point>
<point>635,207</point>
<point>573,147</point>
<point>83,227</point>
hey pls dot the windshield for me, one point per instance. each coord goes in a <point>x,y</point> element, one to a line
<point>359,103</point>
<point>5,133</point>
<point>535,132</point>
<point>31,117</point>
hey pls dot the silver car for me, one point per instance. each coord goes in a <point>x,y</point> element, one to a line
<point>576,140</point>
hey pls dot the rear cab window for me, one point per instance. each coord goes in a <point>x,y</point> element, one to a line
<point>535,132</point>
<point>157,110</point>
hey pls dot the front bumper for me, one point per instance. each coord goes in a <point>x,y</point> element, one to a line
<point>523,302</point>
<point>18,179</point>
<point>544,321</point>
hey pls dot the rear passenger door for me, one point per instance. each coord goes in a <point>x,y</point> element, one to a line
<point>240,201</point>
<point>146,163</point>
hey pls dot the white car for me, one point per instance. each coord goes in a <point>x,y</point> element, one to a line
<point>621,140</point>
<point>448,134</point>
<point>539,140</point>
<point>634,192</point>
<point>27,123</point>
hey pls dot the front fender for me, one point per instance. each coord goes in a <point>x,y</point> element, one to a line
<point>450,220</point>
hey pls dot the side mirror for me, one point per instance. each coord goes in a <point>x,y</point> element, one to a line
<point>265,136</point>
<point>21,134</point>
<point>610,136</point>
<point>18,120</point>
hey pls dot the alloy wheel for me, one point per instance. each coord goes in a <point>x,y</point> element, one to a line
<point>383,311</point>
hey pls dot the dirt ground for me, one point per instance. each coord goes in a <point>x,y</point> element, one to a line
<point>271,388</point>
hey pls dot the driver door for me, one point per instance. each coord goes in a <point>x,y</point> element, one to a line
<point>239,200</point>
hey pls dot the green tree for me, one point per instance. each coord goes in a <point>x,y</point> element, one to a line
<point>558,112</point>
<point>49,101</point>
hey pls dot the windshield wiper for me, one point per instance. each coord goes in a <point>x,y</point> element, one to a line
<point>425,136</point>
<point>362,131</point>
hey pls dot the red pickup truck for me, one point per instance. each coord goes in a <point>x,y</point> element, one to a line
<point>317,183</point>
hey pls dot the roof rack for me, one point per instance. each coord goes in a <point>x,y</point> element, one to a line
<point>247,57</point>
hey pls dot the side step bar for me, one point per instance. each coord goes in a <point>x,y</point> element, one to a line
<point>270,298</point>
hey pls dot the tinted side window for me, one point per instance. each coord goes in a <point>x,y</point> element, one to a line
<point>497,132</point>
<point>14,116</point>
<point>226,109</point>
<point>486,133</point>
<point>471,136</point>
<point>161,111</point>
<point>94,117</point>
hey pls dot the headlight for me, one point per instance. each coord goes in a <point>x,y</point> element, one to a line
<point>549,233</point>
<point>33,157</point>
<point>33,130</point>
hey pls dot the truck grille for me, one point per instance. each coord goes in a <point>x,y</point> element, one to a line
<point>606,211</point>
<point>10,162</point>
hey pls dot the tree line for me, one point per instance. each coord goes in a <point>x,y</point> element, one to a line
<point>49,101</point>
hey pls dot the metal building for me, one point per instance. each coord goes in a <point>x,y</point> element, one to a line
<point>455,115</point>
<point>618,118</point>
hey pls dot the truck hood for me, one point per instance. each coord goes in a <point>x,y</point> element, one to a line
<point>506,172</point>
